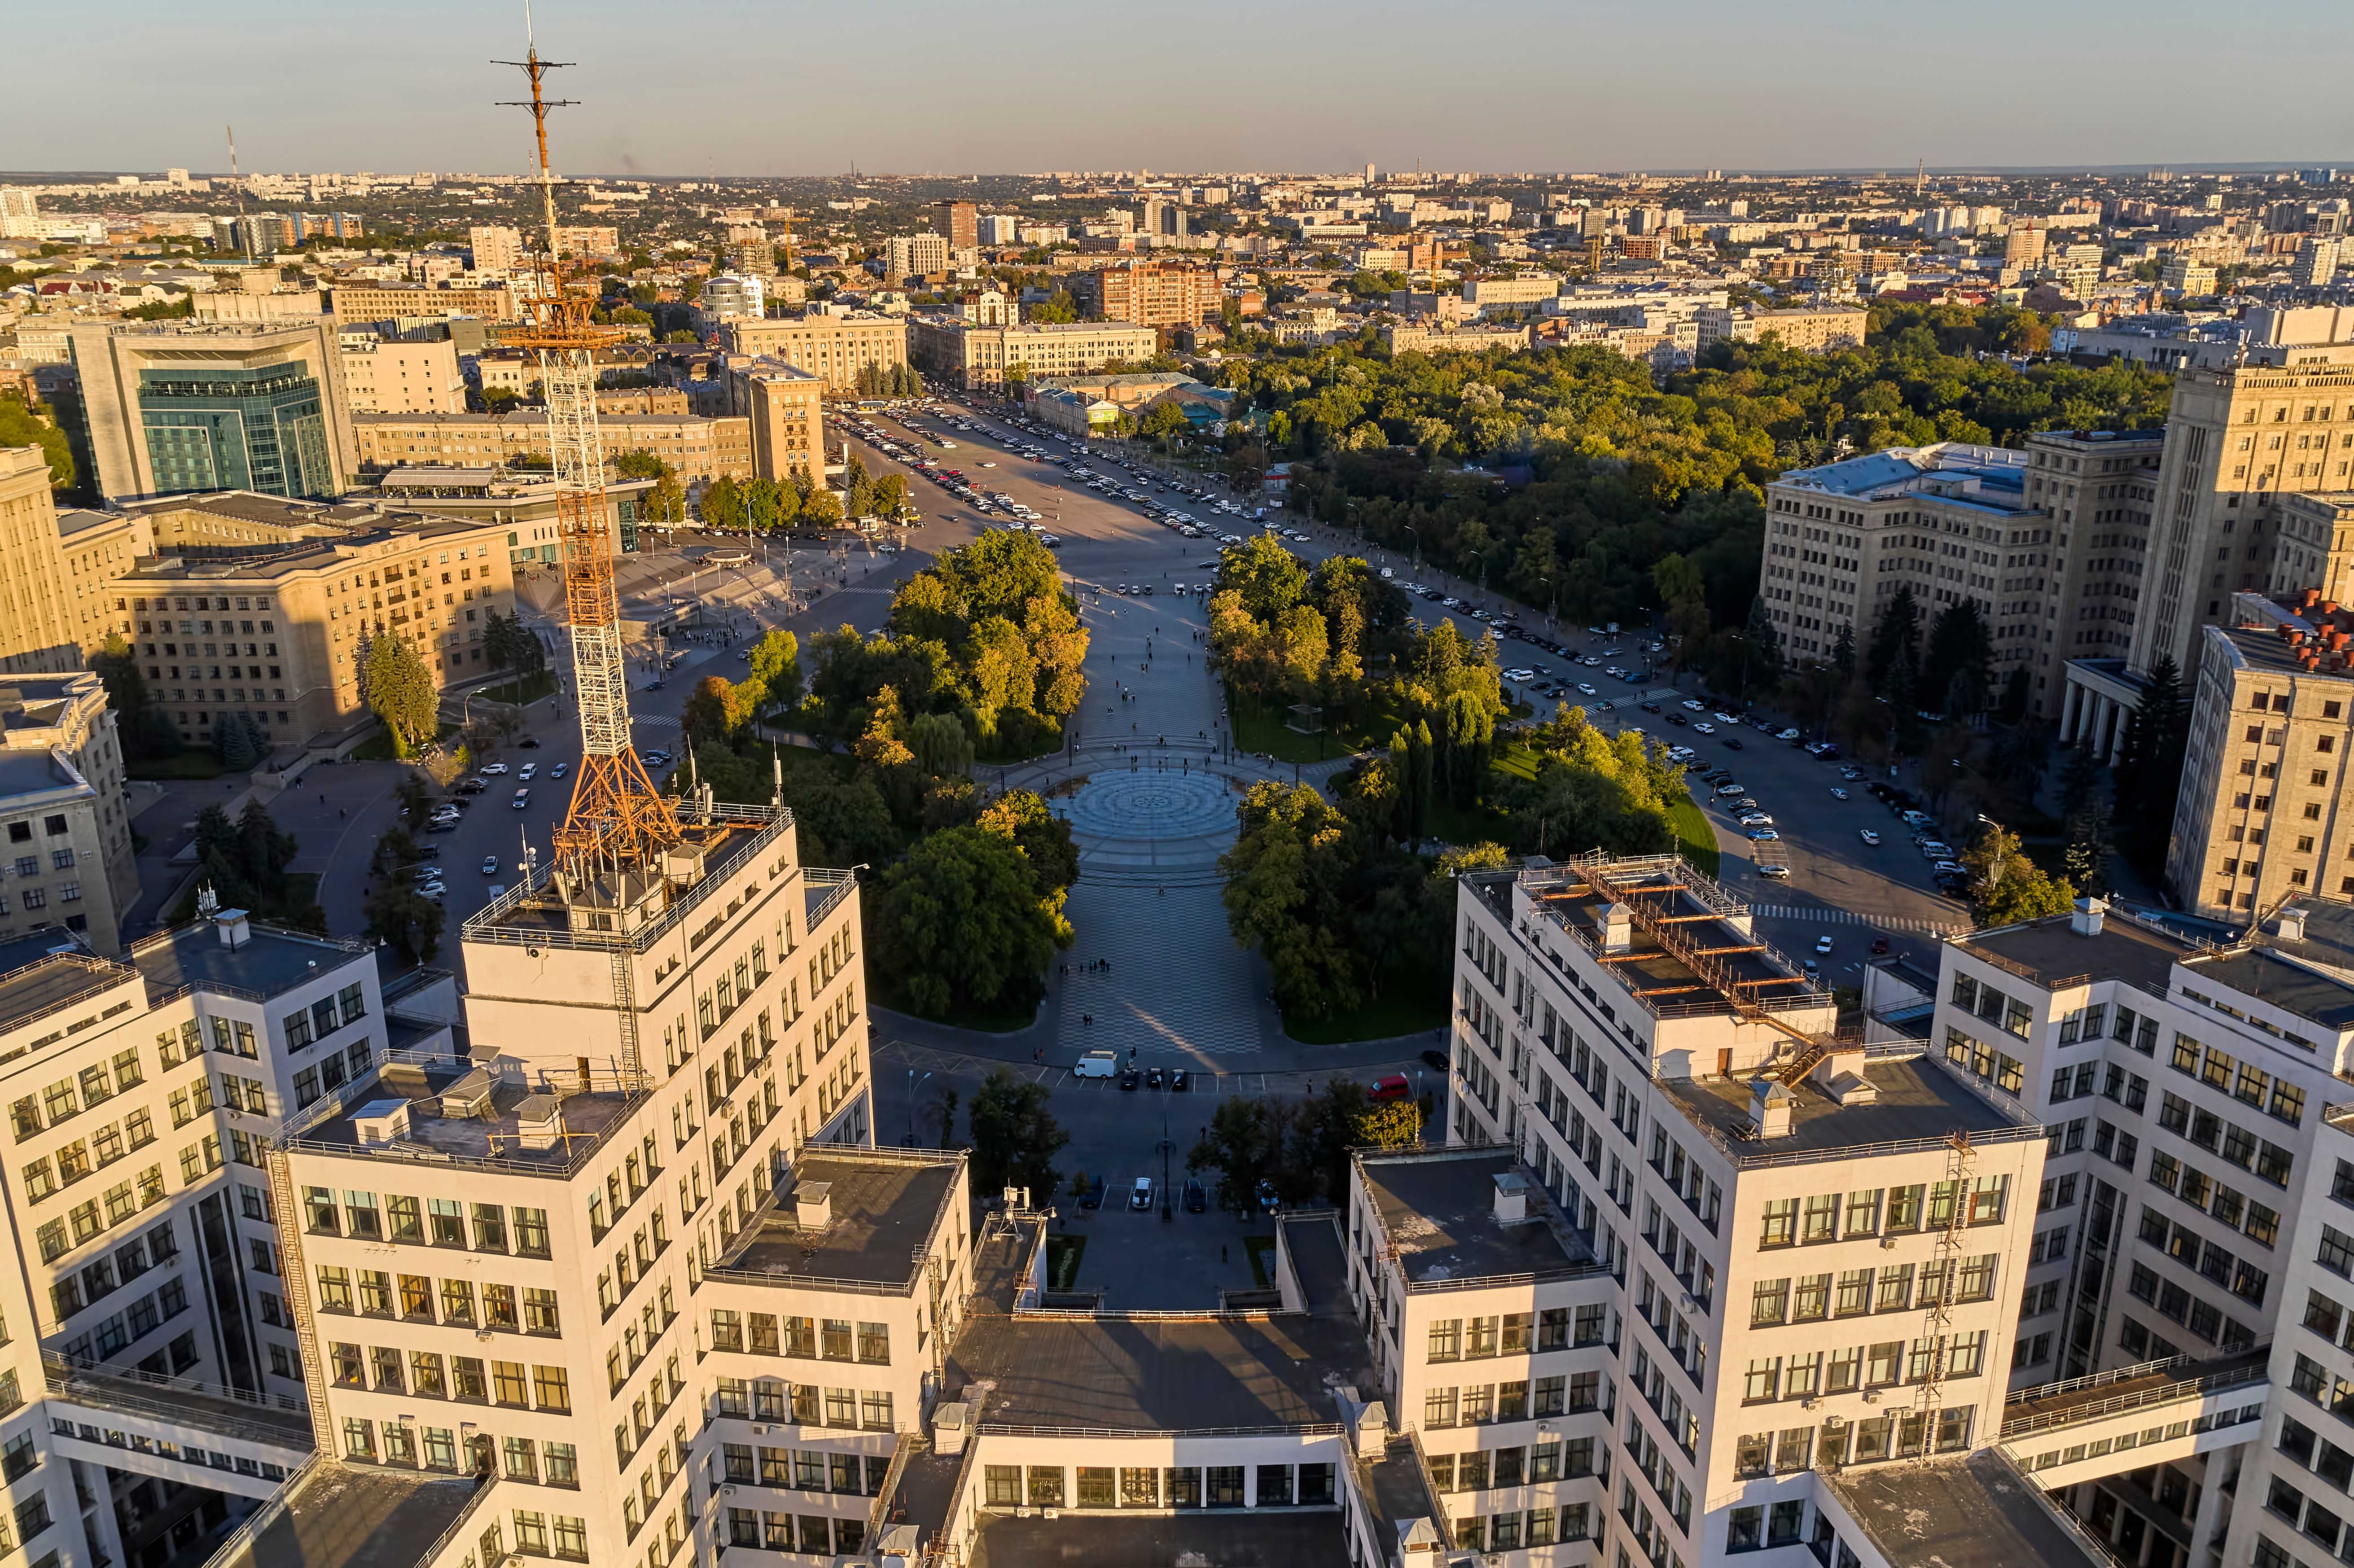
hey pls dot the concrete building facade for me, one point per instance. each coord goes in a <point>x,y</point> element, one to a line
<point>836,347</point>
<point>402,376</point>
<point>970,354</point>
<point>176,407</point>
<point>699,448</point>
<point>63,810</point>
<point>784,409</point>
<point>1149,293</point>
<point>37,630</point>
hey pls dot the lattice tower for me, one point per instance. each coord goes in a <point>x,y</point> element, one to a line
<point>616,818</point>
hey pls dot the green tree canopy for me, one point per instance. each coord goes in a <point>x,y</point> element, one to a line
<point>400,691</point>
<point>1014,1137</point>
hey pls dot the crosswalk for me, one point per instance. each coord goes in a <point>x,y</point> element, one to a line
<point>1819,916</point>
<point>656,721</point>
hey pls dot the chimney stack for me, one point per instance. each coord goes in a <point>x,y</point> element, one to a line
<point>2086,920</point>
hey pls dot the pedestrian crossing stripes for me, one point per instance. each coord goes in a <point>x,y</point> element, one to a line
<point>656,721</point>
<point>1825,916</point>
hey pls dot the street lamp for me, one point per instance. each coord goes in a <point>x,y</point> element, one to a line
<point>913,1083</point>
<point>1417,545</point>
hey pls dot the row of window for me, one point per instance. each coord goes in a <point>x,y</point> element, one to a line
<point>1814,1297</point>
<point>827,1338</point>
<point>1974,995</point>
<point>1175,1487</point>
<point>2225,1204</point>
<point>413,1297</point>
<point>806,1470</point>
<point>2201,1317</point>
<point>1480,1469</point>
<point>2244,1081</point>
<point>2003,1071</point>
<point>438,1222</point>
<point>1786,1223</point>
<point>1473,1404</point>
<point>305,1026</point>
<point>2225,1139</point>
<point>467,1378</point>
<point>1458,1338</point>
<point>330,1073</point>
<point>2182,1244</point>
<point>810,1532</point>
<point>1880,1365</point>
<point>70,1095</point>
<point>806,1403</point>
<point>1516,1528</point>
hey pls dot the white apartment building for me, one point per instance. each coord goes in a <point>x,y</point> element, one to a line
<point>65,825</point>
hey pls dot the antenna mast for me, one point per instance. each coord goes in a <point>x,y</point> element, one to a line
<point>616,815</point>
<point>243,241</point>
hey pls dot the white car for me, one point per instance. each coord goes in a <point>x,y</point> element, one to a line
<point>1585,688</point>
<point>1838,794</point>
<point>1692,706</point>
<point>495,767</point>
<point>1095,1065</point>
<point>1756,820</point>
<point>1703,727</point>
<point>1871,837</point>
<point>531,769</point>
<point>1823,945</point>
<point>1778,873</point>
<point>1787,735</point>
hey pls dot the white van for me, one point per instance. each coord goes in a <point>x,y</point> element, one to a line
<point>1096,1065</point>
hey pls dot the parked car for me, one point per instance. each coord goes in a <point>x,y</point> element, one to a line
<point>1778,873</point>
<point>1152,1077</point>
<point>1437,1060</point>
<point>1140,1196</point>
<point>1095,1065</point>
<point>1179,1080</point>
<point>1130,1078</point>
<point>1390,1086</point>
<point>1196,1199</point>
<point>1093,1197</point>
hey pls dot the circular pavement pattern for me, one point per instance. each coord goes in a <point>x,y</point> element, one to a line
<point>1144,805</point>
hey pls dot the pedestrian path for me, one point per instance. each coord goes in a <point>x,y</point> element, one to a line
<point>1179,991</point>
<point>656,721</point>
<point>1822,914</point>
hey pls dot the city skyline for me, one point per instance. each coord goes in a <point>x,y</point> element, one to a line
<point>652,105</point>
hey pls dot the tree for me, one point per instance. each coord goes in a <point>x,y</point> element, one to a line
<point>1056,309</point>
<point>1269,577</point>
<point>1284,896</point>
<point>1242,1145</point>
<point>126,693</point>
<point>965,923</point>
<point>400,691</point>
<point>941,743</point>
<point>822,509</point>
<point>1043,838</point>
<point>1336,1120</point>
<point>1014,1136</point>
<point>1895,636</point>
<point>2148,775</point>
<point>508,645</point>
<point>776,670</point>
<point>1954,673</point>
<point>722,504</point>
<point>24,424</point>
<point>2087,858</point>
<point>2006,887</point>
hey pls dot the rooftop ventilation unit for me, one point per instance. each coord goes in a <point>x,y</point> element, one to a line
<point>380,1121</point>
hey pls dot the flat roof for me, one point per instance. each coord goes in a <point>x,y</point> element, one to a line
<point>883,1212</point>
<point>1238,1537</point>
<point>2051,952</point>
<point>497,1135</point>
<point>1918,1099</point>
<point>1158,1374</point>
<point>1439,1210</point>
<point>1975,1511</point>
<point>269,959</point>
<point>2264,976</point>
<point>1397,1488</point>
<point>341,1516</point>
<point>35,981</point>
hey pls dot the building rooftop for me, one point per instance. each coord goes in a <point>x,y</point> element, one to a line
<point>1975,1511</point>
<point>347,1516</point>
<point>501,1115</point>
<point>1582,900</point>
<point>1438,1208</point>
<point>1898,470</point>
<point>1398,1489</point>
<point>47,969</point>
<point>1163,1372</point>
<point>2052,953</point>
<point>266,960</point>
<point>639,901</point>
<point>2266,976</point>
<point>1917,1100</point>
<point>1306,1538</point>
<point>884,1208</point>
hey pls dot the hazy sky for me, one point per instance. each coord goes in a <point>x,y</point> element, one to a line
<point>914,86</point>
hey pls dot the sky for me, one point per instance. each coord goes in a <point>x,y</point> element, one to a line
<point>733,86</point>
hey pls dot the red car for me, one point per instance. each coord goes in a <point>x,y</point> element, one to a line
<point>1393,1088</point>
<point>1879,945</point>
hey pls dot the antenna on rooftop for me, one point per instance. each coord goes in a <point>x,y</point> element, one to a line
<point>240,185</point>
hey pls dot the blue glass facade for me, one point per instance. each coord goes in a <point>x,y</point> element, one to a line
<point>232,429</point>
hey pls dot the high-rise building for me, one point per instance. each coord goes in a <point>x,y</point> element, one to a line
<point>959,221</point>
<point>785,407</point>
<point>358,305</point>
<point>179,405</point>
<point>2024,247</point>
<point>402,376</point>
<point>1149,293</point>
<point>912,255</point>
<point>971,354</point>
<point>837,347</point>
<point>999,228</point>
<point>2316,266</point>
<point>497,248</point>
<point>66,815</point>
<point>20,214</point>
<point>727,295</point>
<point>37,631</point>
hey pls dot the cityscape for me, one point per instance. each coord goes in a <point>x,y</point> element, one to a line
<point>562,726</point>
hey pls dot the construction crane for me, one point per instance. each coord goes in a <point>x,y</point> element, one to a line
<point>617,818</point>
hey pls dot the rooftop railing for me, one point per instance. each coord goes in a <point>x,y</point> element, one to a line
<point>240,1541</point>
<point>2027,1424</point>
<point>494,922</point>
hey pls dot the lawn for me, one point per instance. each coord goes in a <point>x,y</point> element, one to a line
<point>179,764</point>
<point>1696,839</point>
<point>1262,1260</point>
<point>527,689</point>
<point>1063,1261</point>
<point>1264,731</point>
<point>1414,1004</point>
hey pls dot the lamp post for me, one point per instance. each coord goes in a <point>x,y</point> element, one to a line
<point>913,1083</point>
